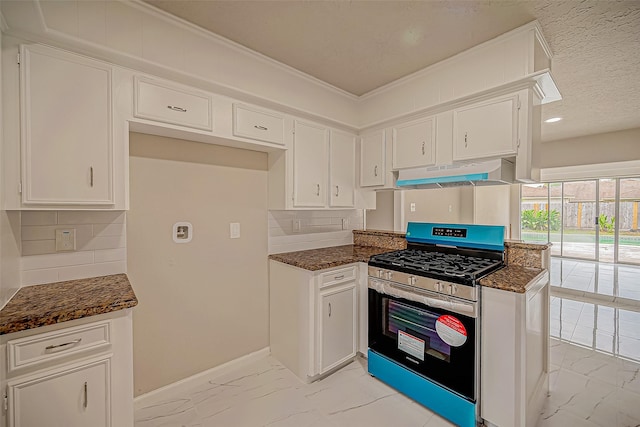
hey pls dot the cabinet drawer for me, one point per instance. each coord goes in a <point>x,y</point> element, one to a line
<point>249,122</point>
<point>182,106</point>
<point>36,349</point>
<point>341,275</point>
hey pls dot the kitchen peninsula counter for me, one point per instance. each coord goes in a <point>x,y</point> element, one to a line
<point>48,304</point>
<point>513,278</point>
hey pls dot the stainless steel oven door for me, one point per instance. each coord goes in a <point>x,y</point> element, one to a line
<point>431,334</point>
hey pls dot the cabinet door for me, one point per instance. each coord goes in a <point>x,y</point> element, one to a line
<point>337,341</point>
<point>342,160</point>
<point>372,148</point>
<point>74,397</point>
<point>310,165</point>
<point>487,129</point>
<point>414,144</point>
<point>66,129</point>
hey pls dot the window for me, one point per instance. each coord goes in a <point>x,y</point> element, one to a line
<point>591,219</point>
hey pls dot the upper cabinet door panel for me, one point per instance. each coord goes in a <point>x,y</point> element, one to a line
<point>66,119</point>
<point>414,144</point>
<point>253,123</point>
<point>342,160</point>
<point>169,103</point>
<point>372,152</point>
<point>310,165</point>
<point>486,129</point>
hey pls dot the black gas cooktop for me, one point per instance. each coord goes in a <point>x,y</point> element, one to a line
<point>438,264</point>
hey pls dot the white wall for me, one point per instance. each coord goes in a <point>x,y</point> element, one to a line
<point>492,206</point>
<point>446,205</point>
<point>202,303</point>
<point>590,149</point>
<point>381,218</point>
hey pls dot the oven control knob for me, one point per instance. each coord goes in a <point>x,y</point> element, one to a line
<point>380,272</point>
<point>437,287</point>
<point>453,289</point>
<point>412,280</point>
<point>389,275</point>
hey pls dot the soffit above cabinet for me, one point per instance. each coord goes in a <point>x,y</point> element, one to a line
<point>603,35</point>
<point>361,46</point>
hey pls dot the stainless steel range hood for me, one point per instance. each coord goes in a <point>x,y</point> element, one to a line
<point>491,172</point>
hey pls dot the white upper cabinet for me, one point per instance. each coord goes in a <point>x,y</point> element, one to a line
<point>254,123</point>
<point>486,129</point>
<point>342,157</point>
<point>173,104</point>
<point>66,129</point>
<point>414,144</point>
<point>372,159</point>
<point>310,165</point>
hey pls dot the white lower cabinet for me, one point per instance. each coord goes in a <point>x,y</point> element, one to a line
<point>72,374</point>
<point>514,354</point>
<point>336,326</point>
<point>76,396</point>
<point>313,318</point>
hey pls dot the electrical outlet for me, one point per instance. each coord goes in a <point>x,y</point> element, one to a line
<point>345,223</point>
<point>66,240</point>
<point>297,225</point>
<point>413,207</point>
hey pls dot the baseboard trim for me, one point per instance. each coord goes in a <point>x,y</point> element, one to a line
<point>173,389</point>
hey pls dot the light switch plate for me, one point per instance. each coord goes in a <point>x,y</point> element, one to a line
<point>66,239</point>
<point>413,207</point>
<point>234,230</point>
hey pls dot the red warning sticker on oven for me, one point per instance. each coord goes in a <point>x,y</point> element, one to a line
<point>451,330</point>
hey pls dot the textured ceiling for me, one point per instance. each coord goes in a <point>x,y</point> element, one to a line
<point>361,45</point>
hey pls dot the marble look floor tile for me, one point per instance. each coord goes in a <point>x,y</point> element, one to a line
<point>178,411</point>
<point>383,412</point>
<point>562,418</point>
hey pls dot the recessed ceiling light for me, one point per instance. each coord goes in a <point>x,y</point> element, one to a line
<point>553,120</point>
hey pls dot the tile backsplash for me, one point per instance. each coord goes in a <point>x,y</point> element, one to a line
<point>100,245</point>
<point>301,230</point>
<point>287,223</point>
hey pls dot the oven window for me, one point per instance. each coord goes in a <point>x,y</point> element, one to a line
<point>414,329</point>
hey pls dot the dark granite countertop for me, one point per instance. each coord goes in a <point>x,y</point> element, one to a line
<point>319,259</point>
<point>40,305</point>
<point>383,233</point>
<point>512,278</point>
<point>518,244</point>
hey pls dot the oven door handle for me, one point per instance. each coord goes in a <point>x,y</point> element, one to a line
<point>412,294</point>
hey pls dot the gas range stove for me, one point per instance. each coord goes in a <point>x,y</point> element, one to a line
<point>446,259</point>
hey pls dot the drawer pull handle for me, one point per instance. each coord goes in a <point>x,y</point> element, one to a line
<point>375,171</point>
<point>337,191</point>
<point>174,108</point>
<point>339,277</point>
<point>91,173</point>
<point>260,127</point>
<point>86,395</point>
<point>423,148</point>
<point>318,190</point>
<point>53,347</point>
<point>329,309</point>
